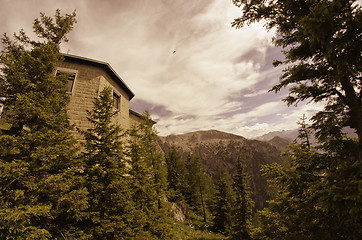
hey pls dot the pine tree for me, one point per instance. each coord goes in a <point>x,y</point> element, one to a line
<point>223,203</point>
<point>176,174</point>
<point>304,133</point>
<point>149,180</point>
<point>41,194</point>
<point>111,208</point>
<point>242,207</point>
<point>314,196</point>
<point>198,185</point>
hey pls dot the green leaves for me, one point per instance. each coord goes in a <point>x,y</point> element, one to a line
<point>54,30</point>
<point>224,199</point>
<point>42,195</point>
<point>322,46</point>
<point>313,196</point>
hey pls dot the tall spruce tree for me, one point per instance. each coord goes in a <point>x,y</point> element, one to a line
<point>317,197</point>
<point>111,208</point>
<point>176,174</point>
<point>41,194</point>
<point>242,206</point>
<point>224,199</point>
<point>199,185</point>
<point>149,181</point>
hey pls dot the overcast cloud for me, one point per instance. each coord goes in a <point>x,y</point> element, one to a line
<point>181,58</point>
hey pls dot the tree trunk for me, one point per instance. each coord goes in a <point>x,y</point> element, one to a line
<point>353,101</point>
<point>202,203</point>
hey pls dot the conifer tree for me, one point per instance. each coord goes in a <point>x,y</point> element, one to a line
<point>149,180</point>
<point>41,194</point>
<point>176,173</point>
<point>223,203</point>
<point>304,133</point>
<point>322,46</point>
<point>317,193</point>
<point>242,207</point>
<point>110,208</point>
<point>198,185</point>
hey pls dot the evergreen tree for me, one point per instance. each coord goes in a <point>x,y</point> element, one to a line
<point>242,207</point>
<point>111,208</point>
<point>41,194</point>
<point>304,133</point>
<point>316,198</point>
<point>223,202</point>
<point>322,47</point>
<point>198,184</point>
<point>176,172</point>
<point>149,176</point>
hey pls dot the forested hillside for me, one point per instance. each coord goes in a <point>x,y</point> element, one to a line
<point>116,183</point>
<point>219,149</point>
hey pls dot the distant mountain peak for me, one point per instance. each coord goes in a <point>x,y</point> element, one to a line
<point>280,143</point>
<point>220,149</point>
<point>202,136</point>
<point>286,134</point>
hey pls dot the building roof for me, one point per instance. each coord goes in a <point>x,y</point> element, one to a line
<point>134,113</point>
<point>106,67</point>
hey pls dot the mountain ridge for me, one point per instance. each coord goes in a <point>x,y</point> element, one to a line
<point>219,149</point>
<point>289,135</point>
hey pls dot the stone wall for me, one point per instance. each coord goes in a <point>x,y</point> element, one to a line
<point>90,80</point>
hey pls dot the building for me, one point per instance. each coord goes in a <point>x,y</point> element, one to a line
<point>87,78</point>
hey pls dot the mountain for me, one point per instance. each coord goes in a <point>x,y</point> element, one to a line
<point>219,149</point>
<point>280,143</point>
<point>291,135</point>
<point>286,134</point>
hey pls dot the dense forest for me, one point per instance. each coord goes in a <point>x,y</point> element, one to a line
<point>117,184</point>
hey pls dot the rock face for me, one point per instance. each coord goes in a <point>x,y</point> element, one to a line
<point>180,211</point>
<point>219,149</point>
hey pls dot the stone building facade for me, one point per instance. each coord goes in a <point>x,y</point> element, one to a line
<point>87,78</point>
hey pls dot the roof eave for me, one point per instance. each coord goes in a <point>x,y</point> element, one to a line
<point>140,116</point>
<point>106,67</point>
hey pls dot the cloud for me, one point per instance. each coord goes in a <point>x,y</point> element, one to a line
<point>201,75</point>
<point>183,60</point>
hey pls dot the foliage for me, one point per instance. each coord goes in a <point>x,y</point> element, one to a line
<point>322,44</point>
<point>149,181</point>
<point>224,199</point>
<point>195,229</point>
<point>242,207</point>
<point>317,198</point>
<point>198,185</point>
<point>41,194</point>
<point>111,209</point>
<point>304,133</point>
<point>176,172</point>
<point>315,195</point>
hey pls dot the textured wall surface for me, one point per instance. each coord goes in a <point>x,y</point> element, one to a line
<point>89,81</point>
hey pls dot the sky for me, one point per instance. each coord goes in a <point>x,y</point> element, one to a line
<point>185,63</point>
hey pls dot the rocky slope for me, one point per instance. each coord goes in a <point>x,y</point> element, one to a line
<point>222,149</point>
<point>280,143</point>
<point>290,135</point>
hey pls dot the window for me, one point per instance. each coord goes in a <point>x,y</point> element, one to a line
<point>116,100</point>
<point>71,77</point>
